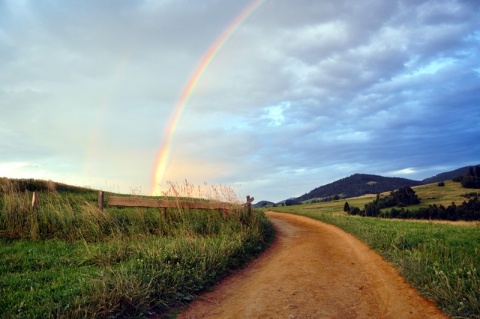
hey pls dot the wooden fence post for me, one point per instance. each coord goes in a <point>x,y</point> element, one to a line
<point>34,201</point>
<point>100,200</point>
<point>249,204</point>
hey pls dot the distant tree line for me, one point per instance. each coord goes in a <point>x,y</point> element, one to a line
<point>402,197</point>
<point>468,210</point>
<point>471,179</point>
<point>291,202</point>
<point>327,199</point>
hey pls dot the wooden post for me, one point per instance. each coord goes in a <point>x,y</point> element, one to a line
<point>249,204</point>
<point>35,201</point>
<point>224,213</point>
<point>100,200</point>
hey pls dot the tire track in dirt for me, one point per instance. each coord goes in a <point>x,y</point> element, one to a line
<point>313,270</point>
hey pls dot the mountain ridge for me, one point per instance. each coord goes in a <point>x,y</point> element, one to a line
<point>360,184</point>
<point>447,175</point>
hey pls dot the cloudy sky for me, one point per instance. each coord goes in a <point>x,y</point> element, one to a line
<point>302,93</point>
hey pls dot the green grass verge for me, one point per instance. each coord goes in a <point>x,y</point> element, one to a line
<point>442,261</point>
<point>69,260</point>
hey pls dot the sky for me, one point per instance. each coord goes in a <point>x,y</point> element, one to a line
<point>272,98</point>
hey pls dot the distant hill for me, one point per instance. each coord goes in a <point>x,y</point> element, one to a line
<point>361,184</point>
<point>446,176</point>
<point>357,185</point>
<point>263,203</point>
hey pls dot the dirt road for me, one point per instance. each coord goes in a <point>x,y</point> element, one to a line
<point>313,270</point>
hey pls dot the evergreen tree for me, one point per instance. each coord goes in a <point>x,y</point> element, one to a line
<point>477,171</point>
<point>471,179</point>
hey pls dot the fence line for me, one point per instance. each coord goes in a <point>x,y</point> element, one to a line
<point>119,201</point>
<point>181,204</point>
<point>164,203</point>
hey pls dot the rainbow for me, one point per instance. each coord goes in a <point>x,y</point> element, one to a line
<point>162,158</point>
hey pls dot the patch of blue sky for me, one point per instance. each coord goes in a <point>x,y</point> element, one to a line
<point>274,114</point>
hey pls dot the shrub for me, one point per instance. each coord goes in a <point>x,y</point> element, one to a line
<point>354,211</point>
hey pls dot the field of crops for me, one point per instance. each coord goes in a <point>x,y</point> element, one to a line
<point>68,259</point>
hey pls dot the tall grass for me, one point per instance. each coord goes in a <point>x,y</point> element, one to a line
<point>71,216</point>
<point>441,260</point>
<point>68,259</point>
<point>67,216</point>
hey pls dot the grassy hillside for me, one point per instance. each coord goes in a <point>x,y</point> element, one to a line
<point>360,184</point>
<point>357,185</point>
<point>67,259</point>
<point>442,195</point>
<point>442,260</point>
<point>429,194</point>
<point>30,184</point>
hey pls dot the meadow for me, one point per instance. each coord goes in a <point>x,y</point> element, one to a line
<point>68,259</point>
<point>441,260</point>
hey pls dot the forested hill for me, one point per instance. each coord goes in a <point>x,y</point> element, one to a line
<point>446,176</point>
<point>357,185</point>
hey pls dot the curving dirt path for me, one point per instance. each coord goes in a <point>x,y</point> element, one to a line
<point>313,270</point>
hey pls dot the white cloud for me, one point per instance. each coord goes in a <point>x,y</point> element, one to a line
<point>405,171</point>
<point>14,169</point>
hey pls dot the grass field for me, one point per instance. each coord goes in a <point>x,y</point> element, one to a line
<point>69,260</point>
<point>429,194</point>
<point>442,260</point>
